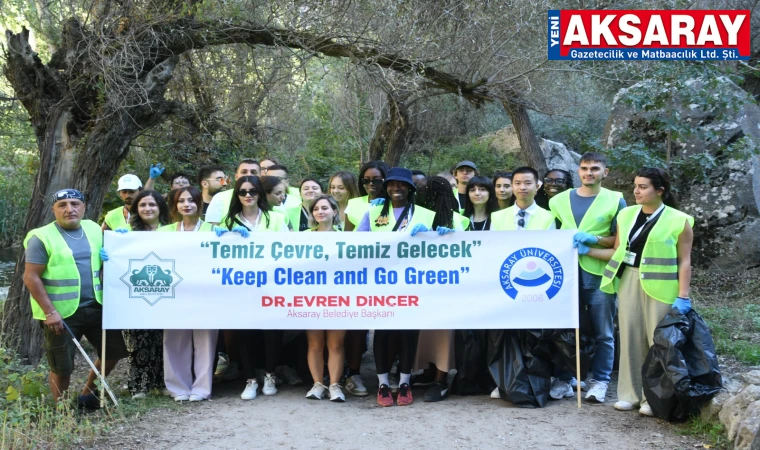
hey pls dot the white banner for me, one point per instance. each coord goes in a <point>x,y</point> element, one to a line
<point>464,280</point>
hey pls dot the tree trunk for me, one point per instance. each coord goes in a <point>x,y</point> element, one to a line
<point>392,136</point>
<point>71,156</point>
<point>526,135</point>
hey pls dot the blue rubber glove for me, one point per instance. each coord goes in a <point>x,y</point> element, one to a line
<point>377,202</point>
<point>443,230</point>
<point>419,227</point>
<point>683,305</point>
<point>103,254</point>
<point>584,238</point>
<point>582,249</point>
<point>121,230</point>
<point>242,230</point>
<point>157,170</point>
<point>219,231</point>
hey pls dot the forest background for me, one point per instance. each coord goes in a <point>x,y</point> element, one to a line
<point>96,89</point>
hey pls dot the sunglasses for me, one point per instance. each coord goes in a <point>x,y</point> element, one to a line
<point>375,181</point>
<point>521,220</point>
<point>245,192</point>
<point>555,181</point>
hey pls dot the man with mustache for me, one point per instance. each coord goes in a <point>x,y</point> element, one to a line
<point>63,276</point>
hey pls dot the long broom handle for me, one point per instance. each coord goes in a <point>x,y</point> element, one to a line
<point>92,365</point>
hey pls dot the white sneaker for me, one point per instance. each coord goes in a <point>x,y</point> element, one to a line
<point>560,390</point>
<point>290,376</point>
<point>317,391</point>
<point>355,386</point>
<point>620,405</point>
<point>196,398</point>
<point>597,392</point>
<point>336,393</point>
<point>251,386</point>
<point>646,410</point>
<point>574,384</point>
<point>181,398</point>
<point>495,393</point>
<point>269,385</point>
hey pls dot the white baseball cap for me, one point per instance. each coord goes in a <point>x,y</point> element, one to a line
<point>130,182</point>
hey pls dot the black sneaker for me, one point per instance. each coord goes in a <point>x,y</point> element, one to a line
<point>437,392</point>
<point>89,402</point>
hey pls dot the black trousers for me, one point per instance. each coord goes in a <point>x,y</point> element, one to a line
<point>406,353</point>
<point>259,348</point>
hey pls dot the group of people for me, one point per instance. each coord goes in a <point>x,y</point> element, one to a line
<point>634,264</point>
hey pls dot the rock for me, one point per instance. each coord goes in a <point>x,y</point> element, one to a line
<point>733,409</point>
<point>556,154</point>
<point>726,206</point>
<point>733,386</point>
<point>748,427</point>
<point>711,410</point>
<point>752,377</point>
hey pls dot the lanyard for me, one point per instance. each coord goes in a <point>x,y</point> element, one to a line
<point>641,228</point>
<point>197,225</point>
<point>402,223</point>
<point>247,223</point>
<point>472,223</point>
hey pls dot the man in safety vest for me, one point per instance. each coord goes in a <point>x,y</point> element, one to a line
<point>62,274</point>
<point>128,188</point>
<point>525,214</point>
<point>592,210</point>
<point>220,204</point>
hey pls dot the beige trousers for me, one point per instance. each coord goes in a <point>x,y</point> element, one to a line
<point>638,316</point>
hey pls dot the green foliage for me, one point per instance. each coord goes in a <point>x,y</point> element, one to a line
<point>443,157</point>
<point>659,103</point>
<point>712,433</point>
<point>735,331</point>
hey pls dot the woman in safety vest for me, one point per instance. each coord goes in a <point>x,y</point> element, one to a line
<point>650,269</point>
<point>299,216</point>
<point>371,177</point>
<point>343,188</point>
<point>435,348</point>
<point>251,213</point>
<point>480,203</point>
<point>397,213</point>
<point>323,216</point>
<point>188,354</point>
<point>146,355</point>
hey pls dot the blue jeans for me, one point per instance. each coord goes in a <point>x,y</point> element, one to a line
<point>602,309</point>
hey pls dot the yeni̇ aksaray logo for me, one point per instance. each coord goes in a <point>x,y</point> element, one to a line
<point>151,278</point>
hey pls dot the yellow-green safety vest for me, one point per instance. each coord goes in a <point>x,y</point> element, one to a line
<point>597,221</point>
<point>659,260</point>
<point>356,208</point>
<point>419,215</point>
<point>335,228</point>
<point>294,217</point>
<point>205,226</point>
<point>460,221</point>
<point>61,276</point>
<point>115,219</point>
<point>504,220</point>
<point>293,198</point>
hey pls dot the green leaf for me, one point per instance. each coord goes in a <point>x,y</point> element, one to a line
<point>11,394</point>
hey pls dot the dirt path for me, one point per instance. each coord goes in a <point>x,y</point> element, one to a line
<point>289,421</point>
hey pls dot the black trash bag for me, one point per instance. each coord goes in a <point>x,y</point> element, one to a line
<point>562,350</point>
<point>680,373</point>
<point>521,363</point>
<point>472,377</point>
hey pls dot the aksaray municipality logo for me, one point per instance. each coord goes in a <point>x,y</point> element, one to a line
<point>151,278</point>
<point>532,274</point>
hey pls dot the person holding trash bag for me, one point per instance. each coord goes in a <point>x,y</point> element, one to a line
<point>396,211</point>
<point>62,273</point>
<point>324,216</point>
<point>650,269</point>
